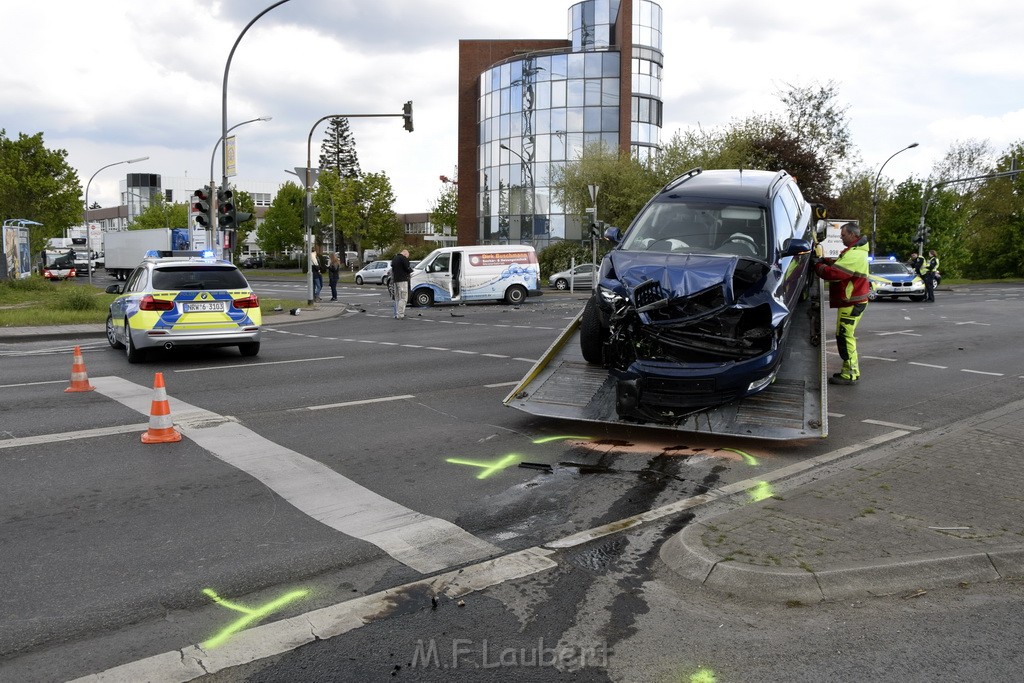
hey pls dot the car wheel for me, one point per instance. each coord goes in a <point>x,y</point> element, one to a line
<point>134,354</point>
<point>515,295</point>
<point>249,349</point>
<point>112,334</point>
<point>591,334</point>
<point>561,284</point>
<point>359,279</point>
<point>423,298</point>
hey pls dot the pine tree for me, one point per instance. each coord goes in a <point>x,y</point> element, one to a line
<point>338,150</point>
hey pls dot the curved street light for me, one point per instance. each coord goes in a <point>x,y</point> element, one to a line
<point>874,196</point>
<point>85,213</point>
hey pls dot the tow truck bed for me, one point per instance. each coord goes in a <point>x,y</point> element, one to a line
<point>563,385</point>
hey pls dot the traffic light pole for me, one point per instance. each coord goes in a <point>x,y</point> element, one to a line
<point>308,213</point>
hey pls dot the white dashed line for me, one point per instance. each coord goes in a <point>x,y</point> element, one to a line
<point>982,372</point>
<point>929,365</point>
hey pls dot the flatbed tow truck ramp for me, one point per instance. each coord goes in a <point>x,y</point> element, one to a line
<point>562,385</point>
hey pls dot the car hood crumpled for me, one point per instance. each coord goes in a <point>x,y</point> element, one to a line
<point>683,275</point>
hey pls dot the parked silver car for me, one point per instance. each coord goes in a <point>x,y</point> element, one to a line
<point>373,272</point>
<point>580,277</point>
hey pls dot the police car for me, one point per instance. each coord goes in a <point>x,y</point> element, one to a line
<point>183,299</point>
<point>891,279</point>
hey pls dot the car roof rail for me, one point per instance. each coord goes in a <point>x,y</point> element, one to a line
<point>679,180</point>
<point>779,177</point>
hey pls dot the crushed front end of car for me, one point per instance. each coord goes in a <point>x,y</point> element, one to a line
<point>683,332</point>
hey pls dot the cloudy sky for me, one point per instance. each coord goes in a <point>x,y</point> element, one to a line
<point>115,79</point>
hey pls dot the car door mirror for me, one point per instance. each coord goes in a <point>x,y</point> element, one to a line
<point>113,289</point>
<point>613,235</point>
<point>795,247</point>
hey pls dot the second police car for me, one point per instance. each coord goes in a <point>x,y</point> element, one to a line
<point>183,299</point>
<point>891,279</point>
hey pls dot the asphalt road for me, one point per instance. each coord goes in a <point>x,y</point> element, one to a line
<point>305,468</point>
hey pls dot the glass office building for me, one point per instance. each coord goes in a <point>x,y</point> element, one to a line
<point>541,108</point>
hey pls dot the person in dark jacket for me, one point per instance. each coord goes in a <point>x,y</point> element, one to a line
<point>333,273</point>
<point>400,272</point>
<point>848,291</point>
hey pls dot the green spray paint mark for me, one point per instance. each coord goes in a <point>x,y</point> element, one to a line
<point>549,439</point>
<point>747,457</point>
<point>703,675</point>
<point>251,614</point>
<point>761,491</point>
<point>488,468</point>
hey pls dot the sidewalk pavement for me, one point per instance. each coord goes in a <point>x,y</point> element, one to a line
<point>927,510</point>
<point>318,311</point>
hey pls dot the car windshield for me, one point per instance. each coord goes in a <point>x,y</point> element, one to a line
<point>700,227</point>
<point>888,268</point>
<point>198,277</point>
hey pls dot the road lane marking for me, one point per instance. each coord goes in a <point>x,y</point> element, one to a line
<point>426,544</point>
<point>981,372</point>
<point>236,366</point>
<point>354,403</point>
<point>894,425</point>
<point>929,365</point>
<point>67,436</point>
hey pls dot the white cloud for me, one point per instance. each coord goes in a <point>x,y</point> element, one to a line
<point>118,79</point>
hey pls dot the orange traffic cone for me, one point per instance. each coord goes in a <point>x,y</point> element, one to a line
<point>79,378</point>
<point>161,430</point>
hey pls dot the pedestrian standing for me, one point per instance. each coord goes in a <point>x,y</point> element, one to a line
<point>400,272</point>
<point>848,291</point>
<point>333,272</point>
<point>928,271</point>
<point>914,262</point>
<point>314,267</point>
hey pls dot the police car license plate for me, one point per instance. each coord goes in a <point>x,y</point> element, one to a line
<point>204,307</point>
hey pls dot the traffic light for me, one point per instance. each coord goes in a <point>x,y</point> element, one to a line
<point>226,208</point>
<point>407,115</point>
<point>201,207</point>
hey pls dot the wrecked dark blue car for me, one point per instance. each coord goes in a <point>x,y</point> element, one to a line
<point>694,303</point>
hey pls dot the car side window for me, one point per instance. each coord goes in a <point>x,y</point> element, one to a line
<point>136,281</point>
<point>440,264</point>
<point>793,209</point>
<point>783,221</point>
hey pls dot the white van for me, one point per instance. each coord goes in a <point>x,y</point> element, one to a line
<point>452,275</point>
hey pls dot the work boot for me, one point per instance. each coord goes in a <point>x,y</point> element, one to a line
<point>840,378</point>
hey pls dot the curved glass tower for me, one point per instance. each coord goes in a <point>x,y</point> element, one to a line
<point>540,109</point>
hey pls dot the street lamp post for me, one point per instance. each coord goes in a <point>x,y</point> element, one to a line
<point>85,214</point>
<point>874,196</point>
<point>224,91</point>
<point>528,196</point>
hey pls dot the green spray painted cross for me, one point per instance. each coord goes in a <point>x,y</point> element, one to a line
<point>489,468</point>
<point>251,614</point>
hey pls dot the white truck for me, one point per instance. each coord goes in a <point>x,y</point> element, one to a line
<point>124,250</point>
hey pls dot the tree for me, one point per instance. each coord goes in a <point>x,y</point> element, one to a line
<point>814,117</point>
<point>38,184</point>
<point>282,227</point>
<point>993,243</point>
<point>625,185</point>
<point>338,150</point>
<point>160,214</point>
<point>444,211</point>
<point>375,201</point>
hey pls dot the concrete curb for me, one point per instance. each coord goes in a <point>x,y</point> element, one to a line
<point>687,556</point>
